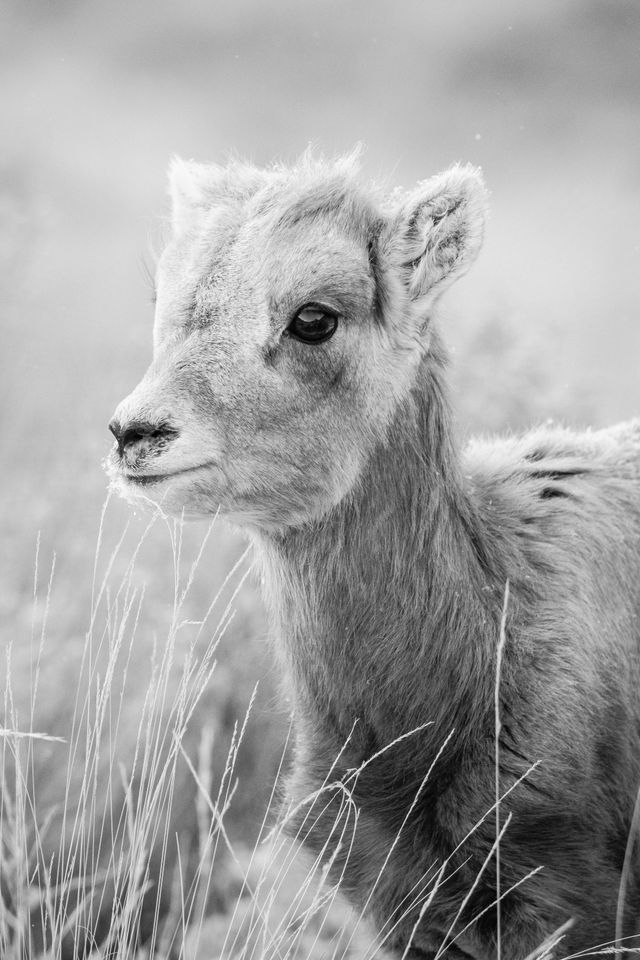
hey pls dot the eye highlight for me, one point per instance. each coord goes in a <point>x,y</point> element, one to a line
<point>313,324</point>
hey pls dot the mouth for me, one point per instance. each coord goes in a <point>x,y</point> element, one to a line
<point>151,479</point>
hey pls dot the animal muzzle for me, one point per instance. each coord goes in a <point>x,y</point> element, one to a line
<point>144,424</point>
<point>140,440</point>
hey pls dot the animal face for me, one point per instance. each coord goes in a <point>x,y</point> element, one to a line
<point>292,312</point>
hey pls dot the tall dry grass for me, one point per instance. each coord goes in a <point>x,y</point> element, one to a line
<point>94,879</point>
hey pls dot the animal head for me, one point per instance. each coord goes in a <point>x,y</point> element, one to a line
<point>293,309</point>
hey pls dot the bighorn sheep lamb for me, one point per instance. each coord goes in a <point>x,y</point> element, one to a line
<point>298,383</point>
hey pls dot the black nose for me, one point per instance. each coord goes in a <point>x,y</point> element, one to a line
<point>128,434</point>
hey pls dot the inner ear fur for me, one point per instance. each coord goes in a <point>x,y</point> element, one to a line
<point>437,232</point>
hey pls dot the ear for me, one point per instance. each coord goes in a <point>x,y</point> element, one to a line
<point>437,233</point>
<point>193,188</point>
<point>196,188</point>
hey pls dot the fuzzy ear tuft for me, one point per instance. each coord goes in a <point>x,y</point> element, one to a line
<point>196,188</point>
<point>438,230</point>
<point>192,187</point>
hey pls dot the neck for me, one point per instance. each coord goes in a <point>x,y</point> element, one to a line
<point>386,608</point>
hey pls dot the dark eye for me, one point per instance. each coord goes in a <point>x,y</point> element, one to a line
<point>313,324</point>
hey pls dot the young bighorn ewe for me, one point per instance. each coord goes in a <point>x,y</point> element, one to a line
<point>298,381</point>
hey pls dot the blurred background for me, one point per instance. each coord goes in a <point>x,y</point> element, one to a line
<point>97,96</point>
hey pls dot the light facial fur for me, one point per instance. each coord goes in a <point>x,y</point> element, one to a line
<point>386,552</point>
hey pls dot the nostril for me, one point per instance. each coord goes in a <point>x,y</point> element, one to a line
<point>131,433</point>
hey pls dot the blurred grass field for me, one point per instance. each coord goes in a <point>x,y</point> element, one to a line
<point>96,97</point>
